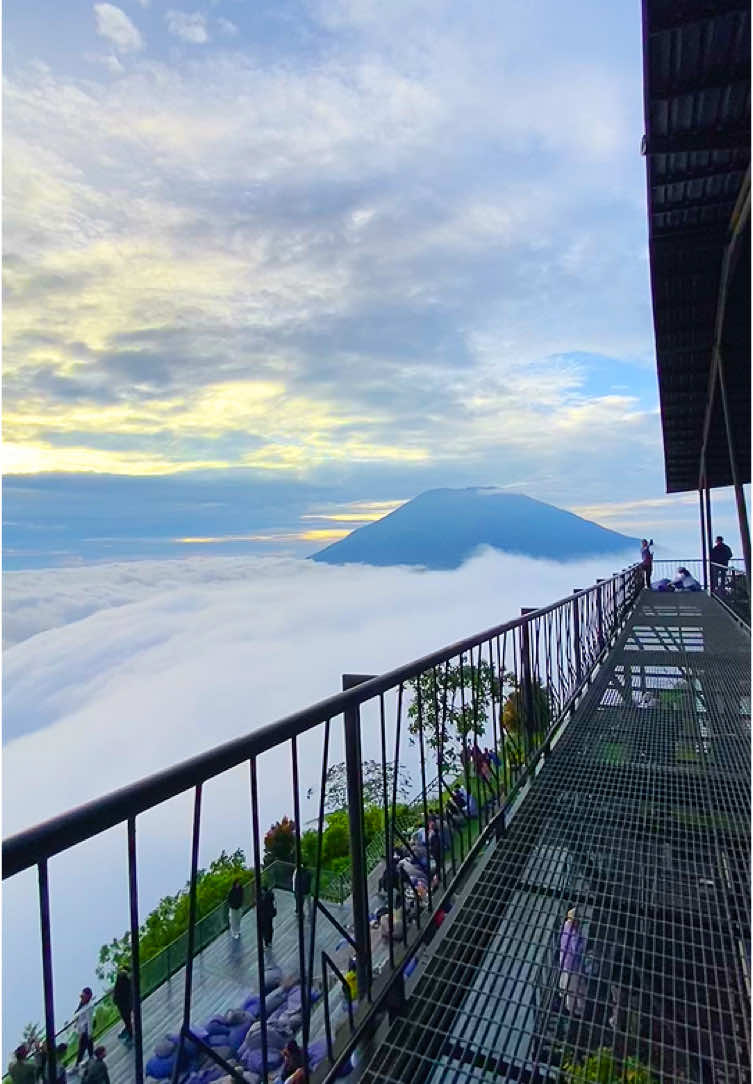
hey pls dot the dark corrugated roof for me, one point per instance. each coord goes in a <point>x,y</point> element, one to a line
<point>697,144</point>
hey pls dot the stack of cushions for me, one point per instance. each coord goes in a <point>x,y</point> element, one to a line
<point>236,1036</point>
<point>160,1065</point>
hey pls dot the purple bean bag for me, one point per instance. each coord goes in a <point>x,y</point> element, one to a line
<point>216,1026</point>
<point>227,1053</point>
<point>159,1068</point>
<point>274,1000</point>
<point>255,1062</point>
<point>251,1004</point>
<point>218,1039</point>
<point>237,1035</point>
<point>272,978</point>
<point>317,1051</point>
<point>253,1039</point>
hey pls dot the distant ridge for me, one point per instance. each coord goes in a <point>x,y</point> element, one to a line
<point>441,528</point>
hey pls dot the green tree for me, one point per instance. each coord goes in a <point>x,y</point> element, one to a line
<point>514,721</point>
<point>453,704</point>
<point>336,838</point>
<point>372,784</point>
<point>279,842</point>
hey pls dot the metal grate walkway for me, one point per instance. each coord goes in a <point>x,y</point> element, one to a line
<point>640,819</point>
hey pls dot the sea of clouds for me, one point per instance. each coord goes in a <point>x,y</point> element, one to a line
<point>115,671</point>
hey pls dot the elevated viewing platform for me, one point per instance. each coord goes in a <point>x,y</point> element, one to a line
<point>640,821</point>
<point>589,911</point>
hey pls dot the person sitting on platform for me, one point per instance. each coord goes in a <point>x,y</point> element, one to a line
<point>683,581</point>
<point>292,1060</point>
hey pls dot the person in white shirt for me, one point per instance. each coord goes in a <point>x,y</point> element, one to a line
<point>84,1022</point>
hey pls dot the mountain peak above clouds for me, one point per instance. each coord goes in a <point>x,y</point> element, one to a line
<point>441,528</point>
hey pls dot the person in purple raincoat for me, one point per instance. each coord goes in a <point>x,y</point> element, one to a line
<point>572,950</point>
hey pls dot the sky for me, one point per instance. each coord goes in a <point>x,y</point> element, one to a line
<point>347,250</point>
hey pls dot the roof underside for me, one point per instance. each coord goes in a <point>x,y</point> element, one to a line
<point>697,102</point>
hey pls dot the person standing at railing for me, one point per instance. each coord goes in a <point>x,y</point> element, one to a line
<point>84,1022</point>
<point>22,1071</point>
<point>122,998</point>
<point>720,558</point>
<point>647,559</point>
<point>268,912</point>
<point>301,891</point>
<point>235,909</point>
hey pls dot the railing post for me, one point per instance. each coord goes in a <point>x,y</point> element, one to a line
<point>49,1006</point>
<point>359,886</point>
<point>600,613</point>
<point>615,585</point>
<point>133,896</point>
<point>527,680</point>
<point>576,639</point>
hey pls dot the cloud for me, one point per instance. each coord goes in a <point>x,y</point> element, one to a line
<point>114,24</point>
<point>226,27</point>
<point>378,222</point>
<point>156,661</point>
<point>188,26</point>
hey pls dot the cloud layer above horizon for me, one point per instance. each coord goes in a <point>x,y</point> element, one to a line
<point>298,235</point>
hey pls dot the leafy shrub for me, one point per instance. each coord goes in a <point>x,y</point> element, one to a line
<point>603,1067</point>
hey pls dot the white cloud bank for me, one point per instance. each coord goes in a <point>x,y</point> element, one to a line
<point>190,26</point>
<point>173,658</point>
<point>114,24</point>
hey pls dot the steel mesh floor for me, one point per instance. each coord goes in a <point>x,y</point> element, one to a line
<point>640,820</point>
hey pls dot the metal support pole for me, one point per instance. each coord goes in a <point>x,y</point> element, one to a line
<point>742,519</point>
<point>49,1006</point>
<point>742,514</point>
<point>527,681</point>
<point>353,769</point>
<point>704,550</point>
<point>133,896</point>
<point>707,506</point>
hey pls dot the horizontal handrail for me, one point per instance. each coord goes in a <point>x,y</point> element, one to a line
<point>33,845</point>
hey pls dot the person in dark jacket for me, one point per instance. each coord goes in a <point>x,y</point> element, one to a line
<point>235,908</point>
<point>268,912</point>
<point>647,559</point>
<point>62,1076</point>
<point>720,558</point>
<point>122,997</point>
<point>96,1070</point>
<point>435,842</point>
<point>22,1071</point>
<point>301,890</point>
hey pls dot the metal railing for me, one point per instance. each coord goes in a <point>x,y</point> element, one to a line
<point>483,712</point>
<point>727,583</point>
